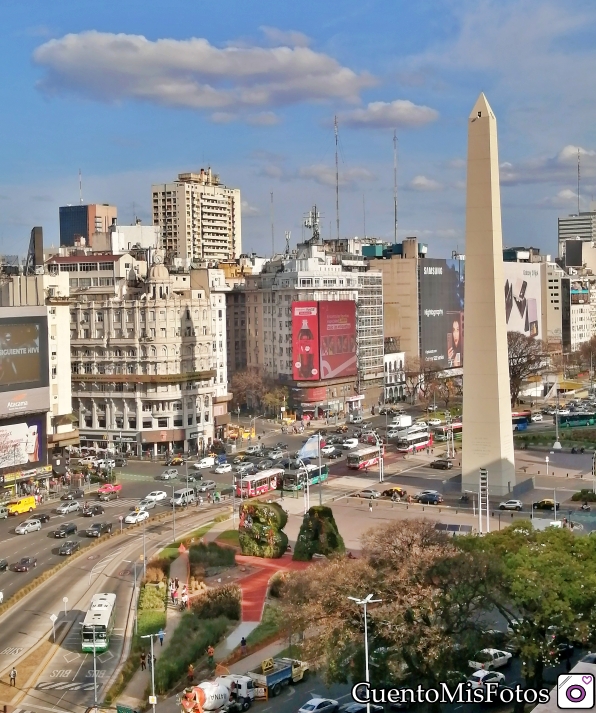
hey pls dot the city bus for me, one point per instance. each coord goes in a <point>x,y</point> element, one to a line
<point>520,420</point>
<point>440,432</point>
<point>577,419</point>
<point>414,442</point>
<point>258,483</point>
<point>99,623</point>
<point>364,457</point>
<point>295,479</point>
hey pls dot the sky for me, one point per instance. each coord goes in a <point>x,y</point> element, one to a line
<point>134,92</point>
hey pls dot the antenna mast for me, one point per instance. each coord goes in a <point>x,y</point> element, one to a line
<point>578,161</point>
<point>288,236</point>
<point>272,229</point>
<point>394,186</point>
<point>336,180</point>
<point>364,214</point>
<point>80,187</point>
<point>312,221</point>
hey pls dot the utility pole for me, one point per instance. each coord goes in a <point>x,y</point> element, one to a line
<point>80,187</point>
<point>578,176</point>
<point>394,186</point>
<point>336,179</point>
<point>272,229</point>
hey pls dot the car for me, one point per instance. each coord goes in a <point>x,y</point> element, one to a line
<point>98,529</point>
<point>319,705</point>
<point>25,564</point>
<point>169,474</point>
<point>207,485</point>
<point>89,460</point>
<point>135,517</point>
<point>350,443</point>
<point>282,446</point>
<point>396,490</point>
<point>42,517</point>
<point>326,450</point>
<point>156,495</point>
<point>511,505</point>
<point>563,412</point>
<point>341,429</point>
<point>432,408</point>
<point>546,504</point>
<point>224,468</point>
<point>442,464</point>
<point>480,678</point>
<point>65,508</point>
<point>73,494</point>
<point>434,422</point>
<point>430,499</point>
<point>3,565</point>
<point>490,659</point>
<point>369,493</point>
<point>27,526</point>
<point>254,450</point>
<point>239,459</point>
<point>120,462</point>
<point>93,510</point>
<point>176,460</point>
<point>67,528</point>
<point>366,426</point>
<point>146,504</point>
<point>392,433</point>
<point>265,464</point>
<point>422,493</point>
<point>190,477</point>
<point>109,488</point>
<point>335,453</point>
<point>105,463</point>
<point>69,547</point>
<point>106,497</point>
<point>359,708</point>
<point>536,417</point>
<point>275,454</point>
<point>243,467</point>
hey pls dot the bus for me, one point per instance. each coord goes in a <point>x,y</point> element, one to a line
<point>414,442</point>
<point>99,623</point>
<point>248,486</point>
<point>295,479</point>
<point>440,432</point>
<point>577,419</point>
<point>520,420</point>
<point>364,457</point>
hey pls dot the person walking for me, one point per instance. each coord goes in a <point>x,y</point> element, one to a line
<point>160,634</point>
<point>176,583</point>
<point>370,506</point>
<point>143,661</point>
<point>13,677</point>
<point>175,597</point>
<point>210,654</point>
<point>190,674</point>
<point>243,646</point>
<point>172,595</point>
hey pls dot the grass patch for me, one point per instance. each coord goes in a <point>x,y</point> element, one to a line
<point>270,626</point>
<point>171,551</point>
<point>229,537</point>
<point>211,555</point>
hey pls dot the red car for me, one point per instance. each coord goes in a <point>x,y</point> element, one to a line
<point>109,488</point>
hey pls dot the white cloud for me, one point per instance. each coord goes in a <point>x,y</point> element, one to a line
<point>283,38</point>
<point>422,183</point>
<point>549,169</point>
<point>248,210</point>
<point>263,118</point>
<point>325,175</point>
<point>564,199</point>
<point>271,170</point>
<point>223,117</point>
<point>400,113</point>
<point>193,73</point>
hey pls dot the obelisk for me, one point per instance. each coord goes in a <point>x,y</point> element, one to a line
<point>487,430</point>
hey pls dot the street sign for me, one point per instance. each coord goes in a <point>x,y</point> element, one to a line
<point>53,618</point>
<point>120,517</point>
<point>152,700</point>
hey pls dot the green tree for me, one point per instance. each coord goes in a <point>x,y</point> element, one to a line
<point>274,398</point>
<point>527,357</point>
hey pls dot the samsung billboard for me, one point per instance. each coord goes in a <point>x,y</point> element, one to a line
<point>523,298</point>
<point>441,285</point>
<point>24,373</point>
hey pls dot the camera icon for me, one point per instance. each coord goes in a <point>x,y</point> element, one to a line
<point>575,690</point>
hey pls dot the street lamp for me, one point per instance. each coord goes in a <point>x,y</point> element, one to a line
<point>150,636</point>
<point>379,444</point>
<point>364,603</point>
<point>557,443</point>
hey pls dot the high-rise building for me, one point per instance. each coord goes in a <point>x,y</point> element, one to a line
<point>200,219</point>
<point>580,226</point>
<point>78,223</point>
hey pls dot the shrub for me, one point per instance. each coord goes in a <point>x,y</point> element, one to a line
<point>276,585</point>
<point>260,532</point>
<point>152,597</point>
<point>211,555</point>
<point>162,563</point>
<point>318,535</point>
<point>154,575</point>
<point>585,496</point>
<point>223,601</point>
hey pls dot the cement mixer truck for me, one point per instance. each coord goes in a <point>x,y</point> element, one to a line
<point>226,693</point>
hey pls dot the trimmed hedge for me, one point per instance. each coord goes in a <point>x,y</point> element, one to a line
<point>211,555</point>
<point>223,601</point>
<point>585,496</point>
<point>260,532</point>
<point>318,535</point>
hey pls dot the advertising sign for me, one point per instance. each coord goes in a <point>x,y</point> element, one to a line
<point>22,443</point>
<point>442,313</point>
<point>337,330</point>
<point>580,292</point>
<point>305,341</point>
<point>523,299</point>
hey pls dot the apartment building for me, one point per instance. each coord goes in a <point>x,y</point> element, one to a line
<point>78,223</point>
<point>199,218</point>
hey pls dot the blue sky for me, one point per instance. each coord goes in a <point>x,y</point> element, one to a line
<point>135,92</point>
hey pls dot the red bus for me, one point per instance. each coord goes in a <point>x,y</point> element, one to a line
<point>364,458</point>
<point>415,442</point>
<point>258,483</point>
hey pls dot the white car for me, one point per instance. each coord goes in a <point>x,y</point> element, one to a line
<point>223,468</point>
<point>350,443</point>
<point>27,526</point>
<point>511,505</point>
<point>327,450</point>
<point>434,422</point>
<point>489,659</point>
<point>90,460</point>
<point>156,495</point>
<point>146,504</point>
<point>479,678</point>
<point>68,506</point>
<point>320,705</point>
<point>105,463</point>
<point>207,485</point>
<point>254,450</point>
<point>169,474</point>
<point>135,517</point>
<point>392,433</point>
<point>563,412</point>
<point>536,417</point>
<point>369,493</point>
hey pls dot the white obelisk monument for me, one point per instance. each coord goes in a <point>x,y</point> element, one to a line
<point>487,429</point>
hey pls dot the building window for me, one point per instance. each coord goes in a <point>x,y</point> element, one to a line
<point>162,422</point>
<point>147,424</point>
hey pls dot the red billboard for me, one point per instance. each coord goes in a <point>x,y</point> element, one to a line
<point>305,341</point>
<point>337,334</point>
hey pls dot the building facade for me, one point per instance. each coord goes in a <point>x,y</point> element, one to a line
<point>78,223</point>
<point>580,226</point>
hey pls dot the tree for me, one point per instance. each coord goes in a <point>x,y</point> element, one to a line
<point>527,357</point>
<point>274,398</point>
<point>414,378</point>
<point>245,382</point>
<point>444,390</point>
<point>587,352</point>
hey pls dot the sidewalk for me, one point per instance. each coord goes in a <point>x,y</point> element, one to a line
<point>134,694</point>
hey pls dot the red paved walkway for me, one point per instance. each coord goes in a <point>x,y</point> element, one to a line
<point>254,587</point>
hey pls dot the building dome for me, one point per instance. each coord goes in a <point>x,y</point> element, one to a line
<point>159,273</point>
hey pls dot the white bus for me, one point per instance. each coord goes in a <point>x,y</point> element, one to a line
<point>414,442</point>
<point>364,457</point>
<point>258,483</point>
<point>99,622</point>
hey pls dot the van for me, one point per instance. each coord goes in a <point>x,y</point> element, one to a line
<point>20,505</point>
<point>185,496</point>
<point>3,512</point>
<point>206,462</point>
<point>402,421</point>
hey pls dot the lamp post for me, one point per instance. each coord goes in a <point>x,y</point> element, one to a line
<point>150,636</point>
<point>557,443</point>
<point>144,551</point>
<point>547,460</point>
<point>381,458</point>
<point>364,603</point>
<point>306,484</point>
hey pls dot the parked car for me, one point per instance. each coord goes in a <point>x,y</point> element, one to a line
<point>319,705</point>
<point>442,464</point>
<point>73,494</point>
<point>93,510</point>
<point>68,507</point>
<point>135,517</point>
<point>156,495</point>
<point>207,485</point>
<point>67,528</point>
<point>146,504</point>
<point>511,505</point>
<point>490,659</point>
<point>546,504</point>
<point>98,529</point>
<point>27,526</point>
<point>224,468</point>
<point>25,564</point>
<point>430,499</point>
<point>369,493</point>
<point>169,474</point>
<point>396,490</point>
<point>106,497</point>
<point>69,547</point>
<point>434,422</point>
<point>105,463</point>
<point>350,443</point>
<point>480,678</point>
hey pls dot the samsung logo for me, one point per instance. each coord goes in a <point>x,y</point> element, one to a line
<point>433,270</point>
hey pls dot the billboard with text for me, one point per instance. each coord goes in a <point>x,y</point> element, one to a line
<point>305,341</point>
<point>337,335</point>
<point>523,298</point>
<point>22,443</point>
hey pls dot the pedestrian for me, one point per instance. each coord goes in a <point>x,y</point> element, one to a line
<point>172,593</point>
<point>191,673</point>
<point>184,600</point>
<point>370,506</point>
<point>243,647</point>
<point>174,597</point>
<point>160,634</point>
<point>210,654</point>
<point>176,583</point>
<point>143,661</point>
<point>13,677</point>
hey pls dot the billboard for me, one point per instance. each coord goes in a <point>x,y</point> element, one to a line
<point>337,335</point>
<point>22,443</point>
<point>305,341</point>
<point>24,377</point>
<point>523,299</point>
<point>580,292</point>
<point>441,284</point>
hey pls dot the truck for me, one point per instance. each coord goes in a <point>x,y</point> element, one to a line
<point>402,420</point>
<point>272,674</point>
<point>226,693</point>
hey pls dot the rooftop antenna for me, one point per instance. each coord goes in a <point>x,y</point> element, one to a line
<point>336,180</point>
<point>272,229</point>
<point>288,236</point>
<point>578,175</point>
<point>312,221</point>
<point>80,187</point>
<point>395,187</point>
<point>364,214</point>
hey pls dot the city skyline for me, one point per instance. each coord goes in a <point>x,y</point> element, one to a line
<point>109,91</point>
